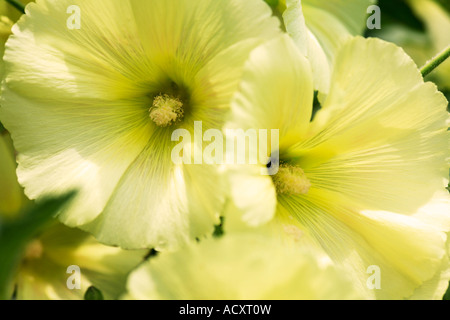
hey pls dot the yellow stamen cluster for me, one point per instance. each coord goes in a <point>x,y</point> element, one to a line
<point>166,110</point>
<point>34,250</point>
<point>291,180</point>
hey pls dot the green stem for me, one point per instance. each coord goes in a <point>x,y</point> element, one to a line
<point>435,62</point>
<point>17,4</point>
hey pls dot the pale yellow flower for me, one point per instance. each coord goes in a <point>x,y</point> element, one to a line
<point>48,270</point>
<point>239,266</point>
<point>85,112</point>
<point>365,179</point>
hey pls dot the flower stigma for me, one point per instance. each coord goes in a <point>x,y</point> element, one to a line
<point>166,110</point>
<point>34,250</point>
<point>291,180</point>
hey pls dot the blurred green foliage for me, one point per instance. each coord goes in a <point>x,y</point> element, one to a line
<point>16,233</point>
<point>92,293</point>
<point>396,12</point>
<point>401,25</point>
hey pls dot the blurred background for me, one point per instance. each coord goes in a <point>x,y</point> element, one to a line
<point>422,29</point>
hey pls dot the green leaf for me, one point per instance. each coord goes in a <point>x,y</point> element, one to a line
<point>15,234</point>
<point>316,105</point>
<point>447,294</point>
<point>272,3</point>
<point>444,4</point>
<point>151,253</point>
<point>92,293</point>
<point>17,4</point>
<point>218,229</point>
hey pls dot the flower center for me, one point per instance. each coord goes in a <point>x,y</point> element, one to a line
<point>34,250</point>
<point>291,180</point>
<point>166,110</point>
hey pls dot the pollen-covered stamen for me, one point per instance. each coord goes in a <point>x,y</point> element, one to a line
<point>166,110</point>
<point>291,180</point>
<point>34,250</point>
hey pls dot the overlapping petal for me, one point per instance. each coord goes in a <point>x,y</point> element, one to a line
<point>43,273</point>
<point>239,266</point>
<point>378,123</point>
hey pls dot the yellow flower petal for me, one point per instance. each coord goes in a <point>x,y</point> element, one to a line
<point>43,275</point>
<point>320,28</point>
<point>160,203</point>
<point>350,13</point>
<point>407,251</point>
<point>381,132</point>
<point>252,193</point>
<point>239,267</point>
<point>436,287</point>
<point>77,147</point>
<point>276,77</point>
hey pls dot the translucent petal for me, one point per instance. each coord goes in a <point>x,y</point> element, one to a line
<point>350,13</point>
<point>252,193</point>
<point>45,277</point>
<point>274,94</point>
<point>182,37</point>
<point>380,138</point>
<point>73,145</point>
<point>239,267</point>
<point>160,204</point>
<point>320,28</point>
<point>406,250</point>
<point>44,55</point>
<point>436,287</point>
<point>85,95</point>
<point>276,90</point>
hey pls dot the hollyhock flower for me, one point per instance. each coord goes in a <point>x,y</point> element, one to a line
<point>42,270</point>
<point>246,266</point>
<point>364,180</point>
<point>49,263</point>
<point>91,98</point>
